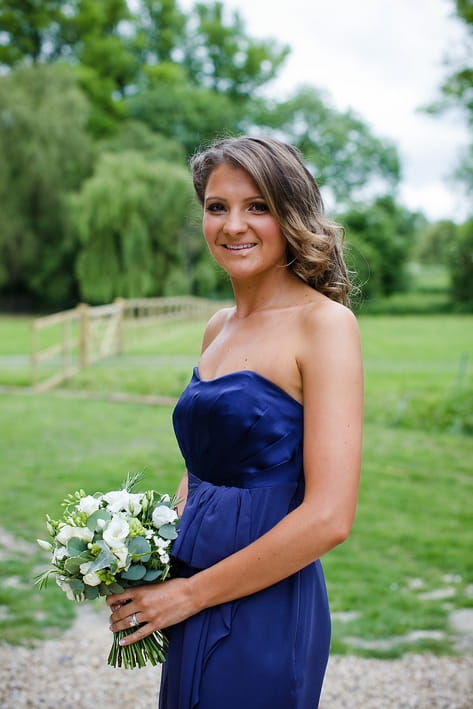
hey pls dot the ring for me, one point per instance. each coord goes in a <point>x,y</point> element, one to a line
<point>133,620</point>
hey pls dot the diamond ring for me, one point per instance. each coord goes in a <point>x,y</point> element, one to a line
<point>133,620</point>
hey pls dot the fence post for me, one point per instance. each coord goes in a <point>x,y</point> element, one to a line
<point>34,355</point>
<point>84,335</point>
<point>120,303</point>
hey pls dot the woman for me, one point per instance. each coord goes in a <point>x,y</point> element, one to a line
<point>270,429</point>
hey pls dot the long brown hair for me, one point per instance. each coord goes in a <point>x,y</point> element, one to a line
<point>314,244</point>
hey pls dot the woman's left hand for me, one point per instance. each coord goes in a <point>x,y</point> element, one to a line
<point>156,605</point>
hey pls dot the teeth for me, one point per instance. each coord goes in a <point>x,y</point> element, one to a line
<point>238,247</point>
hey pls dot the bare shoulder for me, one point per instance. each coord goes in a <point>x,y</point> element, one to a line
<point>215,325</point>
<point>328,330</point>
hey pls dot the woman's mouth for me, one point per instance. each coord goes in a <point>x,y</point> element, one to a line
<point>238,247</point>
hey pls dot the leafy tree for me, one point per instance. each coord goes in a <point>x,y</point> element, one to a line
<point>343,153</point>
<point>43,156</point>
<point>220,54</point>
<point>435,242</point>
<point>185,113</point>
<point>129,217</point>
<point>383,234</point>
<point>461,265</point>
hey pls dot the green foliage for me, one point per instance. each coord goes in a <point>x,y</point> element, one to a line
<point>191,115</point>
<point>43,156</point>
<point>461,265</point>
<point>127,216</point>
<point>385,233</point>
<point>435,242</point>
<point>344,155</point>
<point>220,55</point>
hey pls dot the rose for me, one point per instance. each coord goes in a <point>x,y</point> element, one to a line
<point>162,514</point>
<point>67,531</point>
<point>89,504</point>
<point>92,579</point>
<point>123,501</point>
<point>116,532</point>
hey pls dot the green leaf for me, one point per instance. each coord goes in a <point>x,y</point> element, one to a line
<point>139,549</point>
<point>152,575</point>
<point>76,546</point>
<point>72,565</point>
<point>92,522</point>
<point>91,592</point>
<point>105,560</point>
<point>134,573</point>
<point>168,531</point>
<point>77,586</point>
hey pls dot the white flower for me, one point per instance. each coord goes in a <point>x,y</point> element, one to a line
<point>89,504</point>
<point>59,554</point>
<point>123,501</point>
<point>92,579</point>
<point>163,515</point>
<point>121,553</point>
<point>64,586</point>
<point>164,558</point>
<point>116,532</point>
<point>67,532</point>
<point>47,546</point>
<point>161,543</point>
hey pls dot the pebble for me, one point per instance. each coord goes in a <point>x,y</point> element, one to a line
<point>70,672</point>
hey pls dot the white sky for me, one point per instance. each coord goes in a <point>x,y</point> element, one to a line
<point>384,59</point>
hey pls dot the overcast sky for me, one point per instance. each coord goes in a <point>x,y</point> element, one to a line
<point>384,59</point>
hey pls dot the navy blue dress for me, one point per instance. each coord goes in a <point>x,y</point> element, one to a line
<point>241,438</point>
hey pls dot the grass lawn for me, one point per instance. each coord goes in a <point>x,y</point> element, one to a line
<point>407,564</point>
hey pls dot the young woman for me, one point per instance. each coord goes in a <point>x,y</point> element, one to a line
<point>270,430</point>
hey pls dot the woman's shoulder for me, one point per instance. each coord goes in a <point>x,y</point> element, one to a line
<point>324,324</point>
<point>215,325</point>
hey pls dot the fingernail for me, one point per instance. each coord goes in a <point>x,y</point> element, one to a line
<point>121,642</point>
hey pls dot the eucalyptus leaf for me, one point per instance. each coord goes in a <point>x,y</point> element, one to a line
<point>139,548</point>
<point>105,560</point>
<point>152,575</point>
<point>77,586</point>
<point>168,531</point>
<point>91,592</point>
<point>92,522</point>
<point>72,565</point>
<point>76,546</point>
<point>134,573</point>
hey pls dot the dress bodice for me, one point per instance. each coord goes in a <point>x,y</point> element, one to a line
<point>241,439</point>
<point>240,429</point>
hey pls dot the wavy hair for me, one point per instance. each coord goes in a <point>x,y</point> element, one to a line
<point>314,244</point>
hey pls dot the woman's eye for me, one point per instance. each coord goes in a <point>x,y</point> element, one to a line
<point>215,207</point>
<point>259,207</point>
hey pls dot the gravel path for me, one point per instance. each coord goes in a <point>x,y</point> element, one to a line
<point>71,673</point>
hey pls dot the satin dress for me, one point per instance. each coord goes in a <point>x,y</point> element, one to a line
<point>241,439</point>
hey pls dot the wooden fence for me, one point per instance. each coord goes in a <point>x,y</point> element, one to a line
<point>87,333</point>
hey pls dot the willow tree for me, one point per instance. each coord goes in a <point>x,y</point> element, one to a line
<point>130,218</point>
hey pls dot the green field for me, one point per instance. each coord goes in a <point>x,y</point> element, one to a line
<point>407,564</point>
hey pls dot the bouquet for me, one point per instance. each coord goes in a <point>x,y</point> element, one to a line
<point>106,543</point>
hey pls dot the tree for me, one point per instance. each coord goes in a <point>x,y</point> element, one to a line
<point>220,55</point>
<point>342,151</point>
<point>461,265</point>
<point>435,242</point>
<point>43,156</point>
<point>129,217</point>
<point>457,90</point>
<point>382,234</point>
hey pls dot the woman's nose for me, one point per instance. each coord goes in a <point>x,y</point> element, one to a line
<point>235,223</point>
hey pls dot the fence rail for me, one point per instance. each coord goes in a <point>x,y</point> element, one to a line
<point>87,333</point>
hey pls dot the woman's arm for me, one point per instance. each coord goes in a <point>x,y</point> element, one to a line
<point>330,363</point>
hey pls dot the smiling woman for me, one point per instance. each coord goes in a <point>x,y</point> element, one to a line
<point>270,431</point>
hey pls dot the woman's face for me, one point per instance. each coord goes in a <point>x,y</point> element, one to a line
<point>241,233</point>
